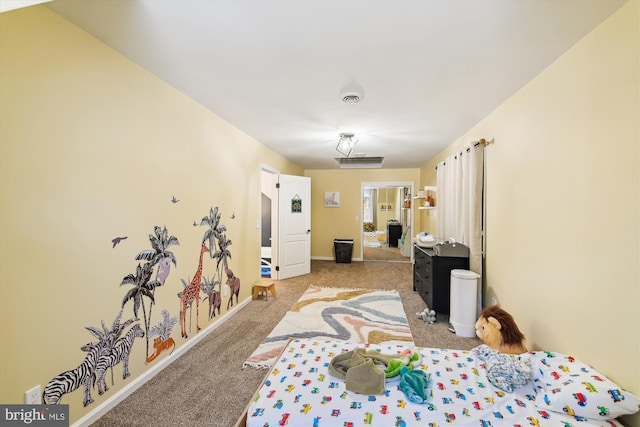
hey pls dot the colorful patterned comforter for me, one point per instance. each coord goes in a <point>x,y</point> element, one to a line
<point>300,392</point>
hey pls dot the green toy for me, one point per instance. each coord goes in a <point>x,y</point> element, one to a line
<point>414,384</point>
<point>409,359</point>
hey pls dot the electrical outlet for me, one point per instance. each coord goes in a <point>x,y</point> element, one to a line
<point>493,301</point>
<point>32,397</point>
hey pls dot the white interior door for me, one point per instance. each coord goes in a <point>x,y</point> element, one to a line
<point>294,226</point>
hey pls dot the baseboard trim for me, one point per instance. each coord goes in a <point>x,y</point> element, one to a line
<point>122,394</point>
<point>330,258</point>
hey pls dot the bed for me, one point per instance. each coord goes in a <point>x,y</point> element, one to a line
<point>299,391</point>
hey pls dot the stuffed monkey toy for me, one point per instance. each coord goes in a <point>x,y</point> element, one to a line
<point>497,329</point>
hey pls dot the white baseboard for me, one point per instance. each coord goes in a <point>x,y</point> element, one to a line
<point>330,258</point>
<point>122,394</point>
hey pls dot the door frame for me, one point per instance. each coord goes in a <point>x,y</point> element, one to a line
<point>264,169</point>
<point>369,184</point>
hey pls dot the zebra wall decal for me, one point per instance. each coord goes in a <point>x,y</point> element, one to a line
<point>118,353</point>
<point>70,380</point>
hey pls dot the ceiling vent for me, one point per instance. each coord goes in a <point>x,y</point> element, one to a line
<point>351,97</point>
<point>360,162</point>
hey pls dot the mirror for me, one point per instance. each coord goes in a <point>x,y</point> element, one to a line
<point>386,218</point>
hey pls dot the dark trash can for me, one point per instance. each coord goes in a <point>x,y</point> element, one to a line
<point>343,249</point>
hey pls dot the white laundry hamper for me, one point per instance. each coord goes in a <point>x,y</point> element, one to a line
<point>464,296</point>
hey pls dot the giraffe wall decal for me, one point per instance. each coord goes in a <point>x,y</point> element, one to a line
<point>190,293</point>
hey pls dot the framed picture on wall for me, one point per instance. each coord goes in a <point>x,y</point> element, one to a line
<point>385,207</point>
<point>331,199</point>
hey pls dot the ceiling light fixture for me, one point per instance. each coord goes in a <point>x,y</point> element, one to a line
<point>346,143</point>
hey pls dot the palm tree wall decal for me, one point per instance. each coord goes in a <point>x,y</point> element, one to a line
<point>223,252</point>
<point>142,287</point>
<point>108,339</point>
<point>213,296</point>
<point>159,255</point>
<point>213,231</point>
<point>215,235</point>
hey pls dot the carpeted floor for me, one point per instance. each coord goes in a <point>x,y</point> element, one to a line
<point>207,386</point>
<point>384,253</point>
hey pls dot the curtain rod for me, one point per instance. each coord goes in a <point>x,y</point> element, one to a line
<point>484,142</point>
<point>481,141</point>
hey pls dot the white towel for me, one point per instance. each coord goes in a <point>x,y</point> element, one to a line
<point>425,238</point>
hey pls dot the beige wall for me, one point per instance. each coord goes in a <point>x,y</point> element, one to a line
<point>386,196</point>
<point>345,222</point>
<point>563,202</point>
<point>427,218</point>
<point>94,147</point>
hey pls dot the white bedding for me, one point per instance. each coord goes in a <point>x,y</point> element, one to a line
<point>300,392</point>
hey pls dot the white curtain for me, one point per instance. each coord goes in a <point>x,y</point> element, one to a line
<point>459,181</point>
<point>399,203</point>
<point>368,204</point>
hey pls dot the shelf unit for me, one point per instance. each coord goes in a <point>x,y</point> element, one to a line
<point>427,188</point>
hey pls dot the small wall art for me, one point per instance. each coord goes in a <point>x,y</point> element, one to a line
<point>331,199</point>
<point>296,204</point>
<point>385,207</point>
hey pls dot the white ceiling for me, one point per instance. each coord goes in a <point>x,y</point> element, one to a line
<point>429,70</point>
<point>7,5</point>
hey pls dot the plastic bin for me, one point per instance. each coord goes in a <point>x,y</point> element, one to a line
<point>343,249</point>
<point>464,288</point>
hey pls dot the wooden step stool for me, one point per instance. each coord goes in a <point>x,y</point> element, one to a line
<point>265,285</point>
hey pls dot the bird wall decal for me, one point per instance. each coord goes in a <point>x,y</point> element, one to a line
<point>117,240</point>
<point>174,200</point>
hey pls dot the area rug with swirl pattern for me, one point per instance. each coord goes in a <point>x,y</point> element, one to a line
<point>358,316</point>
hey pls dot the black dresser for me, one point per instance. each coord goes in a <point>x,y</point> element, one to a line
<point>394,233</point>
<point>432,273</point>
